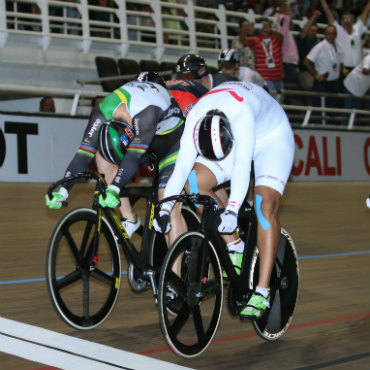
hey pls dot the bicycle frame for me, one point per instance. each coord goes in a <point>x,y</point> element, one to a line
<point>209,227</point>
<point>141,260</point>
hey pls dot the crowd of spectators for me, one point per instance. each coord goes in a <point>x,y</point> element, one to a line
<point>285,55</point>
<point>301,60</point>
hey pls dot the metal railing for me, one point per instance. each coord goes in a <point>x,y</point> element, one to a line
<point>159,24</point>
<point>304,115</point>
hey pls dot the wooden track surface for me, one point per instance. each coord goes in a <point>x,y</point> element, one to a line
<point>331,327</point>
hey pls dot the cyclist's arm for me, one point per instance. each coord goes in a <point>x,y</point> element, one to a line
<point>243,128</point>
<point>145,124</point>
<point>184,162</point>
<point>87,149</point>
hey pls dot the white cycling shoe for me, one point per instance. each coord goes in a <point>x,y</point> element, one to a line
<point>130,226</point>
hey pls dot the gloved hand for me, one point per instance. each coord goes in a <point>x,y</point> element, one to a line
<point>56,201</point>
<point>111,197</point>
<point>161,223</point>
<point>368,202</point>
<point>229,222</point>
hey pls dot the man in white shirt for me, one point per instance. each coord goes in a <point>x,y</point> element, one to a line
<point>349,35</point>
<point>261,132</point>
<point>324,63</point>
<point>357,83</point>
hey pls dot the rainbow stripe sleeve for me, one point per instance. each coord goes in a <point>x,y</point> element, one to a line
<point>89,151</point>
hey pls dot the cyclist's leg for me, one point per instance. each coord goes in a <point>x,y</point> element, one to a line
<point>210,174</point>
<point>110,170</point>
<point>268,231</point>
<point>273,160</point>
<point>178,224</point>
<point>166,167</point>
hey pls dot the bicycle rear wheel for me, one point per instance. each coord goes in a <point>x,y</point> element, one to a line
<point>82,294</point>
<point>284,285</point>
<point>190,314</point>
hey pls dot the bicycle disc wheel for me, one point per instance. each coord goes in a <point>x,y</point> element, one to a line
<point>83,295</point>
<point>284,290</point>
<point>190,306</point>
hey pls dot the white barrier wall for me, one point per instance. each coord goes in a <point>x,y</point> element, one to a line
<point>329,155</point>
<point>36,148</point>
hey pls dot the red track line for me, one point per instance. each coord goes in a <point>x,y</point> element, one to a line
<point>253,334</point>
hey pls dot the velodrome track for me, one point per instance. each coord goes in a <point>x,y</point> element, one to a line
<point>331,329</point>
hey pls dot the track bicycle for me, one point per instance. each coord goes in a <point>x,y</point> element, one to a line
<point>190,317</point>
<point>83,263</point>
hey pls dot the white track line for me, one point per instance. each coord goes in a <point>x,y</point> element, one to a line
<point>66,352</point>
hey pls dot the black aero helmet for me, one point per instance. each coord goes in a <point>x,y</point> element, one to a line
<point>151,77</point>
<point>228,55</point>
<point>114,137</point>
<point>192,63</point>
<point>212,135</point>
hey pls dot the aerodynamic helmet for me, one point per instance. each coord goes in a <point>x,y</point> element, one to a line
<point>192,63</point>
<point>151,77</point>
<point>212,135</point>
<point>114,137</point>
<point>228,55</point>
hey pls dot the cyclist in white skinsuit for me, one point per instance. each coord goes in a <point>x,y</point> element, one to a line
<point>261,133</point>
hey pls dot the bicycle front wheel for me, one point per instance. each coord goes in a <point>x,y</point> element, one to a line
<point>83,293</point>
<point>284,285</point>
<point>190,295</point>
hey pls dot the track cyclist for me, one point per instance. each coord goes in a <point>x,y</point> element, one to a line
<point>233,124</point>
<point>132,121</point>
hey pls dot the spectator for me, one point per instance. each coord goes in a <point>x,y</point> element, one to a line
<point>290,50</point>
<point>305,41</point>
<point>47,104</point>
<point>357,83</point>
<point>240,42</point>
<point>267,47</point>
<point>324,62</point>
<point>349,36</point>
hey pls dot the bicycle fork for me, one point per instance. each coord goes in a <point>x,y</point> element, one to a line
<point>198,273</point>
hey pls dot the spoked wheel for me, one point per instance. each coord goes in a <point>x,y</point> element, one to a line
<point>284,289</point>
<point>190,306</point>
<point>83,293</point>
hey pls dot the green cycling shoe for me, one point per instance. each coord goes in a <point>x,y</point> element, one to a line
<point>255,308</point>
<point>236,259</point>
